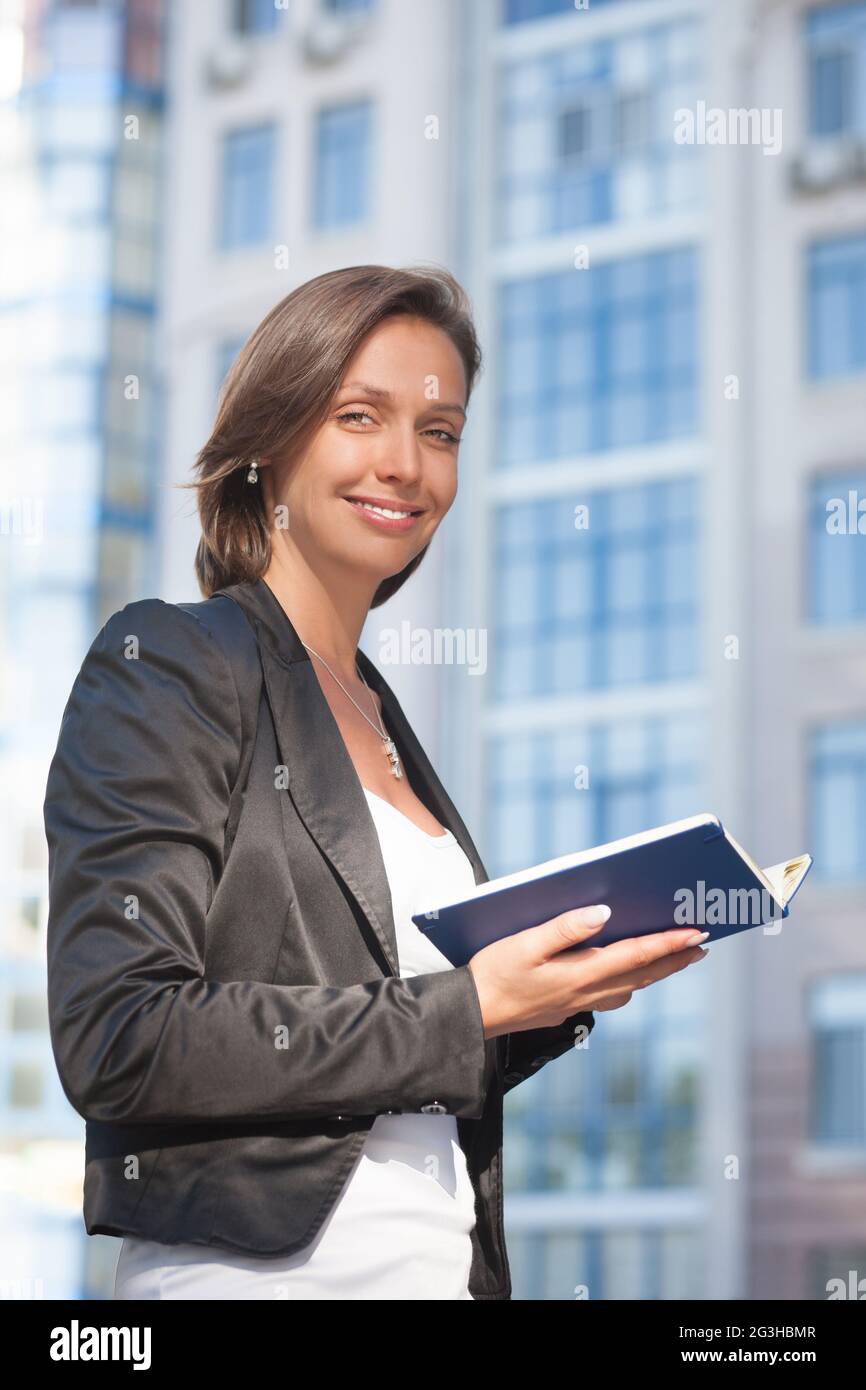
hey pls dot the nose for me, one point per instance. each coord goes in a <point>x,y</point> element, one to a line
<point>400,457</point>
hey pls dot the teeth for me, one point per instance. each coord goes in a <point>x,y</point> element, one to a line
<point>382,511</point>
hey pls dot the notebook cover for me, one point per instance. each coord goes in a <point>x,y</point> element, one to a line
<point>638,884</point>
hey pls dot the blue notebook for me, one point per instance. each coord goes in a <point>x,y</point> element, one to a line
<point>691,872</point>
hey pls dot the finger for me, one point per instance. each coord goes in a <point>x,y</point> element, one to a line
<point>612,1001</point>
<point>568,929</point>
<point>643,976</point>
<point>638,952</point>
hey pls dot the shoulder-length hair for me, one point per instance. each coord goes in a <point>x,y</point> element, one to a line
<point>278,391</point>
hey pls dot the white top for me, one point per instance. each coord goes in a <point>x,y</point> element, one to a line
<point>400,1228</point>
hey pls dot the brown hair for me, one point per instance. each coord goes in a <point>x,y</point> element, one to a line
<point>278,390</point>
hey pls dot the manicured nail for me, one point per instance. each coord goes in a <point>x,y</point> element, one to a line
<point>697,938</point>
<point>601,912</point>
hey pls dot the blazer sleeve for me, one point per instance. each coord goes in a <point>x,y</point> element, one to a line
<point>135,809</point>
<point>528,1051</point>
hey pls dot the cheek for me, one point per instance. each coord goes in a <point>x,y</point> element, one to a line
<point>345,448</point>
<point>337,454</point>
<point>446,488</point>
<point>327,469</point>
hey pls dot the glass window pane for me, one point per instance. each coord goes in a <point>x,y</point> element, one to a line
<point>343,165</point>
<point>597,364</point>
<point>247,186</point>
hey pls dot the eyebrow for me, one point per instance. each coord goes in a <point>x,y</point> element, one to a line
<point>366,389</point>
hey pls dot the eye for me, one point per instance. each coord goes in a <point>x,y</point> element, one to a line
<point>354,415</point>
<point>448,437</point>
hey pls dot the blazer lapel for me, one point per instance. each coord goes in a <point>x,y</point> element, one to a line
<point>322,780</point>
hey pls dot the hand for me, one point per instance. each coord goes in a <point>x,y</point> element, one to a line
<point>537,978</point>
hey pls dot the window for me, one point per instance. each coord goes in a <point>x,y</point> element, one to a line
<point>522,11</point>
<point>65,400</point>
<point>633,115</point>
<point>86,128</point>
<point>641,773</point>
<point>836,291</point>
<point>128,472</point>
<point>575,125</point>
<point>130,423</point>
<point>144,42</point>
<point>837,1012</point>
<point>254,16</point>
<point>837,548</point>
<point>29,1013</point>
<point>26,1085</point>
<point>597,359</point>
<point>83,38</point>
<point>519,11</point>
<point>585,132</point>
<point>838,801</point>
<point>342,165</point>
<point>126,561</point>
<point>246,208</point>
<point>610,603</point>
<point>348,6</point>
<point>77,187</point>
<point>556,1262</point>
<point>836,53</point>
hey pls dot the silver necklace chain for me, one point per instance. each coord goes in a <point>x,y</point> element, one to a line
<point>389,745</point>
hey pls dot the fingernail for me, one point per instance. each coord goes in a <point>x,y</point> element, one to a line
<point>705,951</point>
<point>601,912</point>
<point>697,938</point>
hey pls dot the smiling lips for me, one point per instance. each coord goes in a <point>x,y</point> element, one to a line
<point>398,517</point>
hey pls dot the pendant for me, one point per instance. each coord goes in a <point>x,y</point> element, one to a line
<point>391,750</point>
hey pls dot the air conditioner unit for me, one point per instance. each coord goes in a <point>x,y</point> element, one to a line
<point>829,164</point>
<point>329,36</point>
<point>229,64</point>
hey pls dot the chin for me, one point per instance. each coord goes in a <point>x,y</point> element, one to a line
<point>370,564</point>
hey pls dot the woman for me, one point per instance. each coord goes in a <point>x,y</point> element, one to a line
<point>289,1092</point>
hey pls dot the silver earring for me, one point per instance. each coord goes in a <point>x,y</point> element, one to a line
<point>253,474</point>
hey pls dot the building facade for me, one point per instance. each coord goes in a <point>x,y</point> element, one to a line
<point>673,414</point>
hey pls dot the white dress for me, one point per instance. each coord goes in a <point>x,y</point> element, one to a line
<point>400,1228</point>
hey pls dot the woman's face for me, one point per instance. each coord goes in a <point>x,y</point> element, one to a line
<point>390,439</point>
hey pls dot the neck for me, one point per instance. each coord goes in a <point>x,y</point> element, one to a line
<point>326,611</point>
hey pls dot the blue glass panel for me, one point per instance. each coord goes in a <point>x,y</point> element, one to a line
<point>836,292</point>
<point>835,41</point>
<point>636,774</point>
<point>342,165</point>
<point>597,359</point>
<point>348,6</point>
<point>523,11</point>
<point>591,606</point>
<point>837,1010</point>
<point>583,133</point>
<point>246,211</point>
<point>837,548</point>
<point>838,802</point>
<point>256,16</point>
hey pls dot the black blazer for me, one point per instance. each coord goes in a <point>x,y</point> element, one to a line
<point>226,1009</point>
